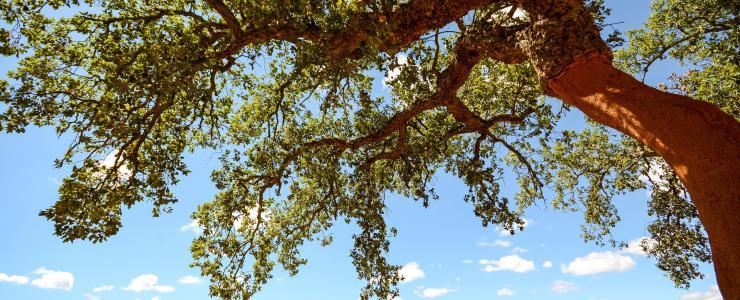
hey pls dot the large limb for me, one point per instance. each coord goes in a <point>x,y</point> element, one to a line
<point>498,42</point>
<point>700,142</point>
<point>404,24</point>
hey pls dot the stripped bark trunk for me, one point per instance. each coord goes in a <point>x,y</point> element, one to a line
<point>700,142</point>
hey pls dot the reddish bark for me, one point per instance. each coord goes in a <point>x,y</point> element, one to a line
<point>699,141</point>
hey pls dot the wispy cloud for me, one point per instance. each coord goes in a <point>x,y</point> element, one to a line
<point>188,280</point>
<point>505,292</point>
<point>54,180</point>
<point>103,288</point>
<point>496,243</point>
<point>562,287</point>
<point>712,294</point>
<point>17,279</point>
<point>518,250</point>
<point>90,296</point>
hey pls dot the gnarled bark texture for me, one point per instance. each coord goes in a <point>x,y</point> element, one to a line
<point>699,141</point>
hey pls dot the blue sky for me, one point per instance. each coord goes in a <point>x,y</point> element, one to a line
<point>444,248</point>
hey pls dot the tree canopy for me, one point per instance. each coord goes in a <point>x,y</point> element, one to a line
<point>285,91</point>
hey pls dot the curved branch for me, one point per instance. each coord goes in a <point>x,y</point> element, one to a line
<point>648,62</point>
<point>468,51</point>
<point>231,21</point>
<point>522,159</point>
<point>407,23</point>
<point>393,154</point>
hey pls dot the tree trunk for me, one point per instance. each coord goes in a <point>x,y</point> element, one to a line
<point>700,142</point>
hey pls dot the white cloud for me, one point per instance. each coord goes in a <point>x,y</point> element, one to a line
<point>155,298</point>
<point>432,292</point>
<point>655,173</point>
<point>467,261</point>
<point>562,287</point>
<point>392,74</point>
<point>51,279</point>
<point>635,246</point>
<point>110,160</point>
<point>103,288</point>
<point>410,272</point>
<point>504,292</point>
<point>518,250</point>
<point>547,264</point>
<point>89,296</point>
<point>598,262</point>
<point>496,243</point>
<point>193,226</point>
<point>712,294</point>
<point>17,279</point>
<point>252,214</point>
<point>505,232</point>
<point>189,280</point>
<point>508,263</point>
<point>148,282</point>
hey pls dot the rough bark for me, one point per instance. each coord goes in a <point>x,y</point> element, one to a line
<point>699,141</point>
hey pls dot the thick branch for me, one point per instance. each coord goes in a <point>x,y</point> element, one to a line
<point>231,21</point>
<point>393,154</point>
<point>406,24</point>
<point>468,51</point>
